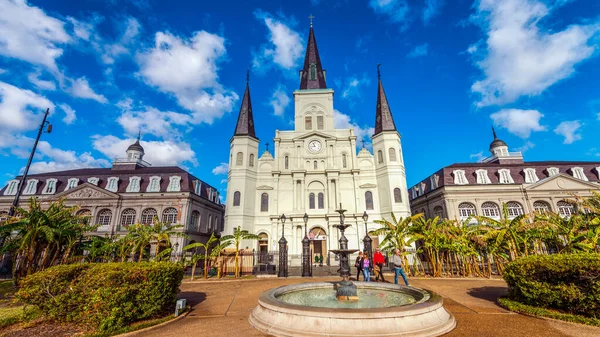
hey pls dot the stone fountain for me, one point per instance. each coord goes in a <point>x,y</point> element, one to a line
<point>350,308</point>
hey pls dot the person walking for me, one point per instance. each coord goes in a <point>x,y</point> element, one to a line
<point>358,265</point>
<point>366,265</point>
<point>397,264</point>
<point>379,260</point>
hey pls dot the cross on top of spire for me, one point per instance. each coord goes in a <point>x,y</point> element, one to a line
<point>311,17</point>
<point>247,76</point>
<point>378,71</point>
<point>267,145</point>
<point>363,143</point>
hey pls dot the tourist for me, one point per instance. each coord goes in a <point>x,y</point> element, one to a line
<point>379,260</point>
<point>397,264</point>
<point>366,265</point>
<point>358,265</point>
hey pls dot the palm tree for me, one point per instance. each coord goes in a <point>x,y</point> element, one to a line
<point>508,230</point>
<point>195,257</point>
<point>573,233</point>
<point>397,234</point>
<point>238,236</point>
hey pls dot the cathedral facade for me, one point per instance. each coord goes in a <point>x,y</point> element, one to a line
<point>314,169</point>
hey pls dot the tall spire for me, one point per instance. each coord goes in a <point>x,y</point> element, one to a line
<point>383,115</point>
<point>245,122</point>
<point>494,132</point>
<point>312,75</point>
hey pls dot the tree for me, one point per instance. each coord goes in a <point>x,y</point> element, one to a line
<point>397,234</point>
<point>195,257</point>
<point>238,236</point>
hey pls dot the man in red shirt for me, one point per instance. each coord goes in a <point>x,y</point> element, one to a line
<point>379,260</point>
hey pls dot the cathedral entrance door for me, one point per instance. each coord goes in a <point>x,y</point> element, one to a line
<point>318,243</point>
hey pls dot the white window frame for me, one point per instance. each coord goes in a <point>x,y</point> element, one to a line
<point>174,184</point>
<point>72,183</point>
<point>460,178</point>
<point>93,180</point>
<point>493,213</point>
<point>552,171</point>
<point>112,184</point>
<point>537,208</point>
<point>466,212</point>
<point>514,209</point>
<point>482,176</point>
<point>50,188</point>
<point>31,187</point>
<point>579,173</point>
<point>565,209</point>
<point>530,175</point>
<point>154,184</point>
<point>504,176</point>
<point>12,187</point>
<point>134,184</point>
<point>434,180</point>
<point>598,171</point>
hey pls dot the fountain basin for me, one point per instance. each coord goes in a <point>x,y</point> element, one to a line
<point>382,310</point>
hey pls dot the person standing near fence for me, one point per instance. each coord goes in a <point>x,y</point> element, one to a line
<point>379,260</point>
<point>358,265</point>
<point>397,265</point>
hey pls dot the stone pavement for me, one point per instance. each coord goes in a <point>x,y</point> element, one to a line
<point>221,308</point>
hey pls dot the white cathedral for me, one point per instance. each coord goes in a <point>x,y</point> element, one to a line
<point>315,169</point>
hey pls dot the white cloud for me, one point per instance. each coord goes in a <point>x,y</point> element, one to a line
<point>187,68</point>
<point>396,10</point>
<point>354,87</point>
<point>112,51</point>
<point>81,88</point>
<point>569,130</point>
<point>279,100</point>
<point>432,8</point>
<point>3,71</point>
<point>223,168</point>
<point>30,35</point>
<point>82,30</point>
<point>525,147</point>
<point>418,51</point>
<point>343,121</point>
<point>60,160</point>
<point>477,156</point>
<point>153,121</point>
<point>35,79</point>
<point>157,153</point>
<point>18,108</point>
<point>70,115</point>
<point>519,122</point>
<point>223,181</point>
<point>285,47</point>
<point>521,57</point>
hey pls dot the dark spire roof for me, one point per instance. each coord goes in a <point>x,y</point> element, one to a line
<point>136,146</point>
<point>312,58</point>
<point>496,142</point>
<point>383,115</point>
<point>245,122</point>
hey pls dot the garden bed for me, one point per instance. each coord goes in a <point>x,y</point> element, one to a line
<point>546,313</point>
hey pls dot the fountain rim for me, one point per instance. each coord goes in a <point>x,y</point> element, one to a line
<point>429,301</point>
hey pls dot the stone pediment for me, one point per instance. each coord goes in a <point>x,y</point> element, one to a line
<point>562,182</point>
<point>314,134</point>
<point>87,191</point>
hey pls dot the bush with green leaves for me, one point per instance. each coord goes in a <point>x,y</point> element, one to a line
<point>104,296</point>
<point>567,282</point>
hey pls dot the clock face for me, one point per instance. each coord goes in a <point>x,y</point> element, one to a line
<point>314,146</point>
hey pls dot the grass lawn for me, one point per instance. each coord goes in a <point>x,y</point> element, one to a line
<point>521,308</point>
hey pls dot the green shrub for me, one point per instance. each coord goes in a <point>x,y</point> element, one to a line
<point>104,296</point>
<point>567,282</point>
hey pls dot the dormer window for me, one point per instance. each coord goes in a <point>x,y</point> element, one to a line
<point>504,177</point>
<point>197,186</point>
<point>12,187</point>
<point>31,187</point>
<point>530,176</point>
<point>174,184</point>
<point>552,171</point>
<point>93,180</point>
<point>460,178</point>
<point>578,173</point>
<point>598,171</point>
<point>50,186</point>
<point>134,184</point>
<point>71,183</point>
<point>434,180</point>
<point>482,177</point>
<point>154,185</point>
<point>112,184</point>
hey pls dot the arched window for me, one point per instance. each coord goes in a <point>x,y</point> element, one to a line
<point>344,161</point>
<point>264,202</point>
<point>194,225</point>
<point>210,224</point>
<point>311,201</point>
<point>369,200</point>
<point>438,211</point>
<point>490,209</point>
<point>316,165</point>
<point>3,216</point>
<point>514,209</point>
<point>84,215</point>
<point>466,209</point>
<point>397,195</point>
<point>541,207</point>
<point>308,123</point>
<point>287,162</point>
<point>239,159</point>
<point>148,216</point>
<point>103,217</point>
<point>169,215</point>
<point>127,217</point>
<point>236,198</point>
<point>565,208</point>
<point>380,157</point>
<point>321,200</point>
<point>251,160</point>
<point>320,123</point>
<point>392,153</point>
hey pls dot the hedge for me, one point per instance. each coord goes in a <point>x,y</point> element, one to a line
<point>567,282</point>
<point>104,296</point>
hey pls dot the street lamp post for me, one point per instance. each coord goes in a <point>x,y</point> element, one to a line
<point>283,256</point>
<point>306,260</point>
<point>367,241</point>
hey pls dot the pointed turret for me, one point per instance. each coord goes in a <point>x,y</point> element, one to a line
<point>496,142</point>
<point>245,122</point>
<point>312,75</point>
<point>383,115</point>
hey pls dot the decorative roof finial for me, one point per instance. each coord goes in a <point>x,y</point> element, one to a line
<point>494,132</point>
<point>248,76</point>
<point>267,144</point>
<point>311,17</point>
<point>363,143</point>
<point>378,71</point>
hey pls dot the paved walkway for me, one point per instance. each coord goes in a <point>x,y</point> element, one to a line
<point>221,308</point>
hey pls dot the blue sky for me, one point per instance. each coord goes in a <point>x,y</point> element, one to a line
<point>451,69</point>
